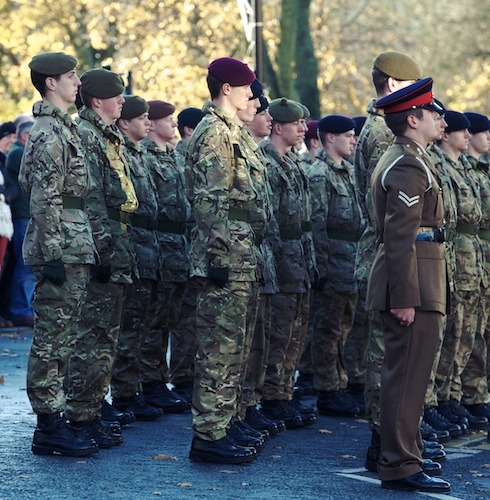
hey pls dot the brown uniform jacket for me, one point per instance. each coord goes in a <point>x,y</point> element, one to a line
<point>406,197</point>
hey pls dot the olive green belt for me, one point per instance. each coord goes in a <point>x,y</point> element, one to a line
<point>238,214</point>
<point>171,227</point>
<point>484,234</point>
<point>343,234</point>
<point>118,215</point>
<point>289,233</point>
<point>73,202</point>
<point>143,222</point>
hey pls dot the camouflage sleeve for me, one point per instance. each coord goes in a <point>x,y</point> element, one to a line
<point>212,179</point>
<point>319,218</point>
<point>273,233</point>
<point>95,200</point>
<point>43,179</point>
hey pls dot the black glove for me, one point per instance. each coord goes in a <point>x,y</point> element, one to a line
<point>319,284</point>
<point>54,271</point>
<point>218,275</point>
<point>101,273</point>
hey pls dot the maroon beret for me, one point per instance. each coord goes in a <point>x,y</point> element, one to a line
<point>159,109</point>
<point>312,132</point>
<point>232,71</point>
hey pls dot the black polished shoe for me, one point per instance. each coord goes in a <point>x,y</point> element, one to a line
<point>53,436</point>
<point>418,482</point>
<point>275,409</point>
<point>111,414</point>
<point>438,422</point>
<point>114,430</point>
<point>157,394</point>
<point>308,413</point>
<point>437,454</point>
<point>373,457</point>
<point>94,429</point>
<point>477,414</point>
<point>222,451</point>
<point>445,409</point>
<point>433,445</point>
<point>260,422</point>
<point>138,406</point>
<point>334,403</point>
<point>431,468</point>
<point>184,392</point>
<point>430,434</point>
<point>240,437</point>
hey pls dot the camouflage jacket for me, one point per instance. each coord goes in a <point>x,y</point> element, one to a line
<point>450,202</point>
<point>481,170</point>
<point>54,171</point>
<point>144,239</point>
<point>287,242</point>
<point>373,141</point>
<point>262,219</point>
<point>468,269</point>
<point>173,208</point>
<point>224,195</point>
<point>336,221</point>
<point>104,148</point>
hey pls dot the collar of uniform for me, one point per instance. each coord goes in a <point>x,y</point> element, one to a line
<point>45,108</point>
<point>372,110</point>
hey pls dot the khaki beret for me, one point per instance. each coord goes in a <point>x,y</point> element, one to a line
<point>52,63</point>
<point>160,109</point>
<point>133,106</point>
<point>398,65</point>
<point>102,83</point>
<point>285,111</point>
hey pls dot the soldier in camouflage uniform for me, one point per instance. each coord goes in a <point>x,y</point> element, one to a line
<point>109,206</point>
<point>475,396</point>
<point>337,224</point>
<point>166,311</point>
<point>223,261</point>
<point>126,375</point>
<point>391,71</point>
<point>59,245</point>
<point>289,307</point>
<point>468,277</point>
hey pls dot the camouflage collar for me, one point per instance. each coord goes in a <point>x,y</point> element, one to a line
<point>45,108</point>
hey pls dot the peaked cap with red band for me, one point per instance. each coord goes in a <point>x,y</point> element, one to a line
<point>417,95</point>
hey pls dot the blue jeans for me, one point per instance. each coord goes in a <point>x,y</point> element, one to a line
<point>23,278</point>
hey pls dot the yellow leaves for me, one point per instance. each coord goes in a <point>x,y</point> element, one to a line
<point>162,457</point>
<point>325,431</point>
<point>184,485</point>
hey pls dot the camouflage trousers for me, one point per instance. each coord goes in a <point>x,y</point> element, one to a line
<point>305,365</point>
<point>474,376</point>
<point>355,349</point>
<point>221,322</point>
<point>91,363</point>
<point>163,315</point>
<point>246,376</point>
<point>126,374</point>
<point>431,393</point>
<point>183,339</point>
<point>457,345</point>
<point>289,325</point>
<point>334,316</point>
<point>58,310</point>
<point>374,362</point>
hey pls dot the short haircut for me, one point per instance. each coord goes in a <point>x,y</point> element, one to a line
<point>214,86</point>
<point>397,122</point>
<point>39,81</point>
<point>380,81</point>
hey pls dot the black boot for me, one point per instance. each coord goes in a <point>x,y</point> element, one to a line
<point>275,409</point>
<point>336,403</point>
<point>248,429</point>
<point>111,414</point>
<point>237,434</point>
<point>438,422</point>
<point>373,454</point>
<point>54,437</point>
<point>475,421</point>
<point>94,429</point>
<point>223,451</point>
<point>258,421</point>
<point>308,412</point>
<point>159,395</point>
<point>138,406</point>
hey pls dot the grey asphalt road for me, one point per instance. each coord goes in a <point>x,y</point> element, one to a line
<point>324,461</point>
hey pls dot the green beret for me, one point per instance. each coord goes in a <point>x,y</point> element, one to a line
<point>102,83</point>
<point>285,111</point>
<point>306,111</point>
<point>133,106</point>
<point>52,63</point>
<point>398,65</point>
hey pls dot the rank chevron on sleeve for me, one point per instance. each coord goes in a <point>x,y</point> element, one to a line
<point>409,201</point>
